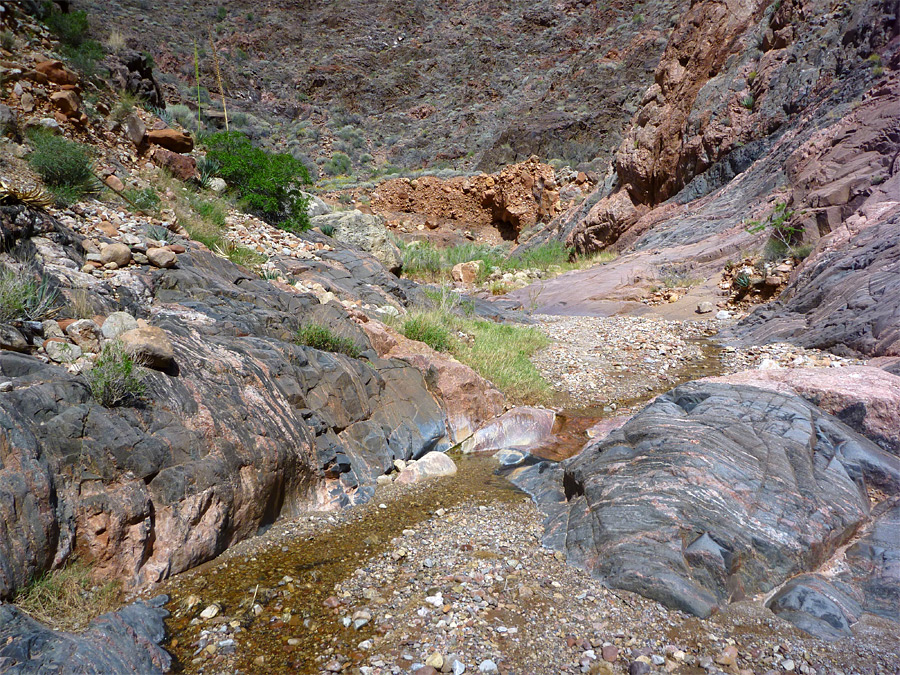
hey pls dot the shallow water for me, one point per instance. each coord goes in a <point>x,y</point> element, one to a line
<point>315,564</point>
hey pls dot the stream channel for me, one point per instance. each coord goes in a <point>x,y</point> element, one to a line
<point>273,594</point>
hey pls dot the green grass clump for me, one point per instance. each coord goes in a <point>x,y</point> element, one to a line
<point>267,183</point>
<point>23,297</point>
<point>116,378</point>
<point>426,329</point>
<point>323,338</point>
<point>541,257</point>
<point>65,166</point>
<point>421,259</point>
<point>85,57</point>
<point>498,352</point>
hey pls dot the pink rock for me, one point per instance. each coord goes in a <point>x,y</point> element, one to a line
<point>865,398</point>
<point>522,428</point>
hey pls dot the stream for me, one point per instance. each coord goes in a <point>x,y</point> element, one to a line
<point>271,597</point>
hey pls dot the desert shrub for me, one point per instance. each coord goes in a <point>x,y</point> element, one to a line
<point>65,166</point>
<point>421,259</point>
<point>85,57</point>
<point>24,297</point>
<point>338,165</point>
<point>183,115</point>
<point>323,338</point>
<point>116,378</point>
<point>427,330</point>
<point>266,182</point>
<point>7,40</point>
<point>142,201</point>
<point>327,230</point>
<point>541,257</point>
<point>802,252</point>
<point>781,232</point>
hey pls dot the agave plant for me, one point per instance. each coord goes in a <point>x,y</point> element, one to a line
<point>35,197</point>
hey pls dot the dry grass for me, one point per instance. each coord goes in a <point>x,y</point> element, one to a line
<point>67,599</point>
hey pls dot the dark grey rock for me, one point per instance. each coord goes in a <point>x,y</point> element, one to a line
<point>711,493</point>
<point>124,641</point>
<point>847,301</point>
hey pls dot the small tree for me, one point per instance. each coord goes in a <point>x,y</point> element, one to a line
<point>267,183</point>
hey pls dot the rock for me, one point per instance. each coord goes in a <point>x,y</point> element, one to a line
<point>62,352</point>
<point>85,334</point>
<point>436,661</point>
<point>67,102</point>
<point>432,465</point>
<point>521,428</point>
<point>50,123</point>
<point>722,314</point>
<point>56,72</point>
<point>733,436</point>
<point>845,300</point>
<point>487,666</point>
<point>365,232</point>
<point>210,612</point>
<point>132,71</point>
<point>27,102</point>
<point>425,670</point>
<point>866,399</point>
<point>705,307</point>
<point>114,183</point>
<point>638,668</point>
<point>171,139</point>
<point>361,618</point>
<point>610,653</point>
<point>117,253</point>
<point>466,272</point>
<point>149,345</point>
<point>468,399</point>
<point>184,168</point>
<point>124,641</point>
<point>12,339</point>
<point>728,656</point>
<point>217,185</point>
<point>316,206</point>
<point>161,257</point>
<point>118,323</point>
<point>136,131</point>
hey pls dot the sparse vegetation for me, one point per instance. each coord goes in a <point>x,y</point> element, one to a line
<point>781,232</point>
<point>323,338</point>
<point>748,102</point>
<point>267,183</point>
<point>143,201</point>
<point>70,27</point>
<point>338,165</point>
<point>116,378</point>
<point>65,166</point>
<point>66,598</point>
<point>24,297</point>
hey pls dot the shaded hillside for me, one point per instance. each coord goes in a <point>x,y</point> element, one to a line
<point>466,82</point>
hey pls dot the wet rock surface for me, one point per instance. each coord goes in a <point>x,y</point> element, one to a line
<point>726,475</point>
<point>125,641</point>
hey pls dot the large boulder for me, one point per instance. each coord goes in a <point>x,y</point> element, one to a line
<point>523,428</point>
<point>432,465</point>
<point>365,232</point>
<point>124,641</point>
<point>171,139</point>
<point>150,346</point>
<point>468,399</point>
<point>711,493</point>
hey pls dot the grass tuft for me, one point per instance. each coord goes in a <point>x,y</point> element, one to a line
<point>67,599</point>
<point>65,166</point>
<point>323,338</point>
<point>23,297</point>
<point>116,378</point>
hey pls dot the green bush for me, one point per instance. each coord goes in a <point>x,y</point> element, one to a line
<point>23,297</point>
<point>429,331</point>
<point>116,378</point>
<point>266,182</point>
<point>65,166</point>
<point>542,257</point>
<point>322,337</point>
<point>85,57</point>
<point>71,28</point>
